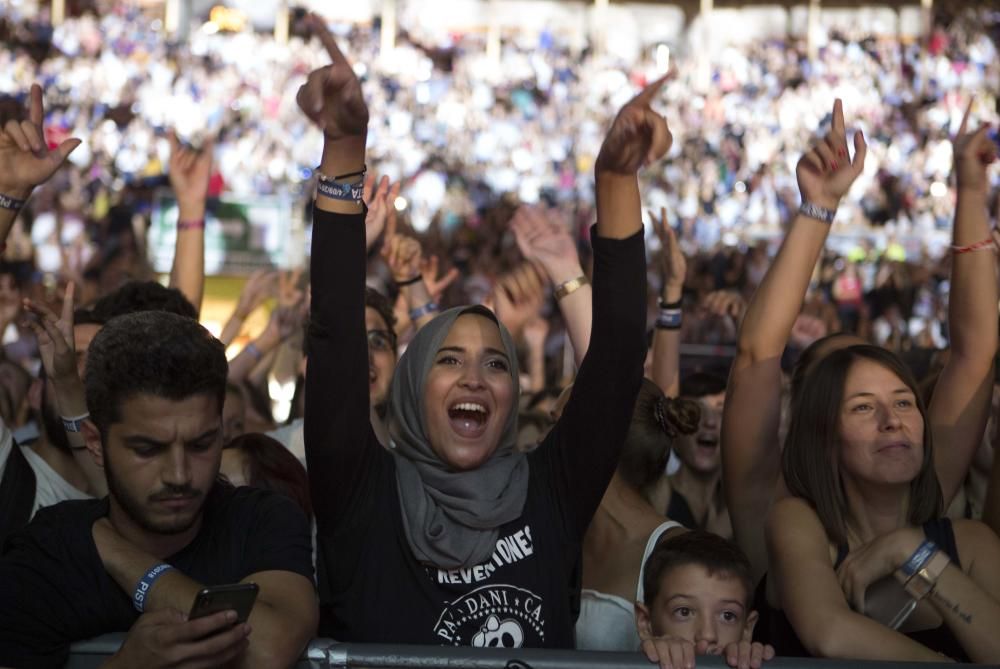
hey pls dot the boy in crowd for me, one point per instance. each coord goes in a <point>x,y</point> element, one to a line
<point>697,597</point>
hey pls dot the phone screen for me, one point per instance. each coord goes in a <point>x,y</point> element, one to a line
<point>238,597</point>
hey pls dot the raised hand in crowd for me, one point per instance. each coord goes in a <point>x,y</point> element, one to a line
<point>332,99</point>
<point>436,282</point>
<point>190,172</point>
<point>960,406</point>
<point>259,287</point>
<point>25,158</point>
<point>639,136</point>
<point>518,298</point>
<point>286,319</point>
<point>64,371</point>
<point>404,256</point>
<point>728,303</point>
<point>667,340</point>
<point>380,199</point>
<point>751,418</point>
<point>546,241</point>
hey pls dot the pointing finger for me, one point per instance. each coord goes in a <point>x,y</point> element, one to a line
<point>838,116</point>
<point>965,118</point>
<point>36,110</point>
<point>650,91</point>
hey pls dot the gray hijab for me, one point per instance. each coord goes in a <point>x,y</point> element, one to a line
<point>451,518</point>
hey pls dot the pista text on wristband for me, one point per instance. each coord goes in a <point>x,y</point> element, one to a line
<point>144,585</point>
<point>74,424</point>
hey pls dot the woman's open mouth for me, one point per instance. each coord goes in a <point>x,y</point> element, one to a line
<point>468,419</point>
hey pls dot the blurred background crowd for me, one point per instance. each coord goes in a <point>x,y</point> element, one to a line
<point>474,131</point>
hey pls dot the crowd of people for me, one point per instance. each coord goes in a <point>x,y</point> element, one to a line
<point>532,455</point>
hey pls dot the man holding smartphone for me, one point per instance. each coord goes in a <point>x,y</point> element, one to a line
<point>136,560</point>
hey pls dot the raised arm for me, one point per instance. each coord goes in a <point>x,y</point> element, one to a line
<point>56,348</point>
<point>261,285</point>
<point>544,240</point>
<point>751,464</point>
<point>338,434</point>
<point>25,159</point>
<point>960,406</point>
<point>189,175</point>
<point>584,446</point>
<point>667,338</point>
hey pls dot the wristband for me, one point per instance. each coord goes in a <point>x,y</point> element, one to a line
<point>671,305</point>
<point>74,424</point>
<point>920,557</point>
<point>925,580</point>
<point>342,192</point>
<point>191,225</point>
<point>819,213</point>
<point>10,203</point>
<point>252,349</point>
<point>978,246</point>
<point>145,583</point>
<point>420,312</point>
<point>567,288</point>
<point>409,282</point>
<point>669,319</point>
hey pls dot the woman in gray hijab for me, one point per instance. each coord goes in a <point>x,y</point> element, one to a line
<point>451,536</point>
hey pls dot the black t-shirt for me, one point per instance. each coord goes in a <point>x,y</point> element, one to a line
<point>54,589</point>
<point>526,595</point>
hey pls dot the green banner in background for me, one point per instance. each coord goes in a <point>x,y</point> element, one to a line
<point>241,235</point>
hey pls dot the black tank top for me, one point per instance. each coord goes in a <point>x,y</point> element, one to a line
<point>774,628</point>
<point>678,510</point>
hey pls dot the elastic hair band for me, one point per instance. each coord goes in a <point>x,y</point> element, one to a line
<point>409,282</point>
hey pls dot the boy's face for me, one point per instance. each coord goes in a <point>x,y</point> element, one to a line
<point>698,607</point>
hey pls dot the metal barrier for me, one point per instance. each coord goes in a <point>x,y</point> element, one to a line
<point>328,654</point>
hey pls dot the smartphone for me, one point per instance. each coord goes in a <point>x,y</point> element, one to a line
<point>888,602</point>
<point>237,597</point>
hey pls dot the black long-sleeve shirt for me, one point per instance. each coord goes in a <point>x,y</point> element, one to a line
<point>374,589</point>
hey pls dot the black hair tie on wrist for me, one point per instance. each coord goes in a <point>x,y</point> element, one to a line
<point>409,282</point>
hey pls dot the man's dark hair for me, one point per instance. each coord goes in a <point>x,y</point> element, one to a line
<point>156,353</point>
<point>137,296</point>
<point>718,556</point>
<point>702,384</point>
<point>86,316</point>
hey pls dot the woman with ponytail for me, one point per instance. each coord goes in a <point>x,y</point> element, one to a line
<point>626,527</point>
